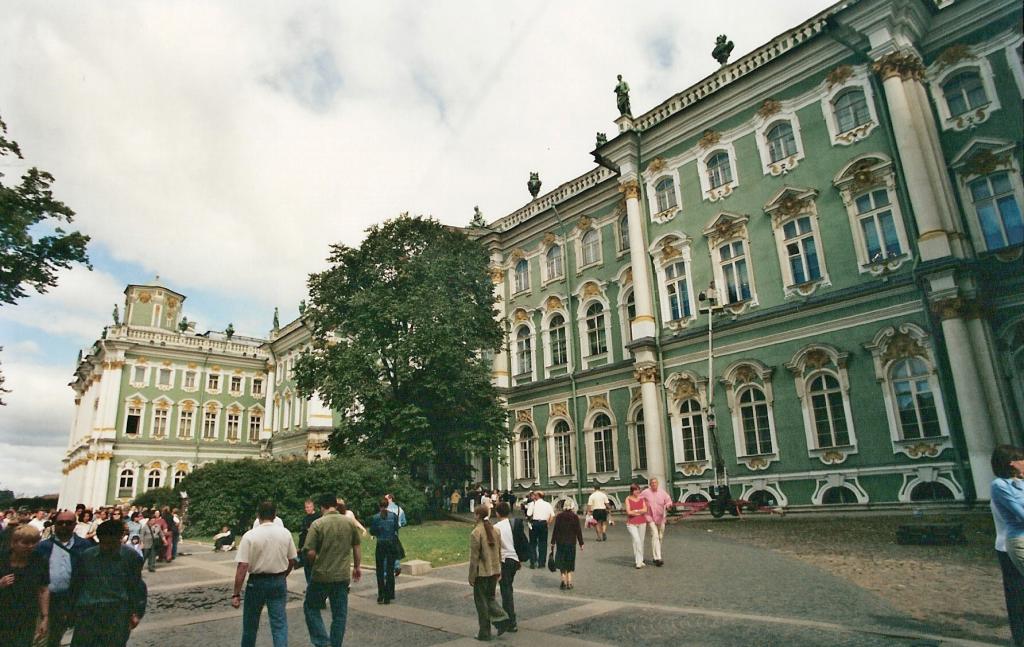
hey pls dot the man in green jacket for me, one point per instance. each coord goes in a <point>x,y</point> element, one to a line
<point>332,547</point>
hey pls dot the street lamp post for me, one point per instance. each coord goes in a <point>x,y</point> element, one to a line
<point>720,492</point>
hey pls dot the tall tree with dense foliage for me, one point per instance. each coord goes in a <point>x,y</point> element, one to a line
<point>399,325</point>
<point>33,249</point>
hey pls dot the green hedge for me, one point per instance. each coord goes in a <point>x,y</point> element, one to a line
<point>228,492</point>
<point>158,498</point>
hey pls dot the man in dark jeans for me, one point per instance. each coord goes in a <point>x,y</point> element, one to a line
<point>539,513</point>
<point>267,554</point>
<point>109,594</point>
<point>510,564</point>
<point>62,552</point>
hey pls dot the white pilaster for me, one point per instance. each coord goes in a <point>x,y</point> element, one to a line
<point>983,346</point>
<point>646,373</point>
<point>644,323</point>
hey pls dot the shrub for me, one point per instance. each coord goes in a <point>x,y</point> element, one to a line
<point>228,492</point>
<point>158,498</point>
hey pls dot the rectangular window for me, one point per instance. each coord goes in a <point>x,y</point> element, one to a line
<point>210,425</point>
<point>185,424</point>
<point>255,422</point>
<point>558,346</point>
<point>236,384</point>
<point>604,453</point>
<point>678,291</point>
<point>164,379</point>
<point>878,226</point>
<point>132,421</point>
<point>998,212</point>
<point>734,269</point>
<point>139,375</point>
<point>189,381</point>
<point>257,386</point>
<point>159,423</point>
<point>563,454</point>
<point>233,425</point>
<point>801,251</point>
<point>213,382</point>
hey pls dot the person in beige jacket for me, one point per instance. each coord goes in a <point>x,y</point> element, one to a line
<point>484,573</point>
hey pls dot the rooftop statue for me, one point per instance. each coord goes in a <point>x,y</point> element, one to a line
<point>183,325</point>
<point>117,316</point>
<point>277,319</point>
<point>534,184</point>
<point>723,49</point>
<point>602,139</point>
<point>478,218</point>
<point>302,307</point>
<point>622,97</point>
<point>229,332</point>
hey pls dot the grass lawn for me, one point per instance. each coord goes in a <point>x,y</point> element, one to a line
<point>438,542</point>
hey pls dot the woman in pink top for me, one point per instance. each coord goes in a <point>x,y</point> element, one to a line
<point>636,523</point>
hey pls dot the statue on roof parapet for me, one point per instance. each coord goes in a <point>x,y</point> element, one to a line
<point>478,218</point>
<point>622,97</point>
<point>534,184</point>
<point>722,50</point>
<point>602,139</point>
<point>277,319</point>
<point>117,316</point>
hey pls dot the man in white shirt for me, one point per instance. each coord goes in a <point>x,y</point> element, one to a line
<point>540,513</point>
<point>509,562</point>
<point>39,521</point>
<point>277,522</point>
<point>597,505</point>
<point>267,553</point>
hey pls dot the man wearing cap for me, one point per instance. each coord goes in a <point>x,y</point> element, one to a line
<point>62,551</point>
<point>267,553</point>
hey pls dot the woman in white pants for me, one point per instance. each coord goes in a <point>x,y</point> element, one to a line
<point>636,522</point>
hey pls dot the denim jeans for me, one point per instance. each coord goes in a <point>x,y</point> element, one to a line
<point>538,542</point>
<point>272,592</point>
<point>316,594</point>
<point>149,556</point>
<point>509,568</point>
<point>385,563</point>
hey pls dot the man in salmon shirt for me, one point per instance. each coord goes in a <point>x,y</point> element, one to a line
<point>658,502</point>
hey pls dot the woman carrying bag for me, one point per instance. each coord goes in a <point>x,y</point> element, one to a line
<point>484,572</point>
<point>564,538</point>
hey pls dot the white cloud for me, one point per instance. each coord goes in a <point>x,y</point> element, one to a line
<point>78,307</point>
<point>30,471</point>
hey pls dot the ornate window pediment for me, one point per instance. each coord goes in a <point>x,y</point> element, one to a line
<point>687,396</point>
<point>823,387</point>
<point>794,217</point>
<point>748,388</point>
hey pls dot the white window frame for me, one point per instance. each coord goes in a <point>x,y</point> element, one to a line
<point>220,383</point>
<point>596,296</point>
<point>1003,158</point>
<point>1013,60</point>
<point>170,378</point>
<point>190,407</point>
<point>145,375</point>
<point>652,180</point>
<point>858,79</point>
<point>159,478</point>
<point>521,281</point>
<point>808,209</point>
<point>893,344</point>
<point>131,470</point>
<point>581,263</point>
<point>866,174</point>
<point>215,410</point>
<point>254,383</point>
<point>241,384</point>
<point>590,437</point>
<point>622,234</point>
<point>636,411</point>
<point>937,76</point>
<point>665,252</point>
<point>547,276</point>
<point>135,402</point>
<point>683,386</point>
<point>524,476</point>
<point>554,474</point>
<point>195,382</point>
<point>175,480</point>
<point>737,377</point>
<point>233,411</point>
<point>625,282</point>
<point>549,348</point>
<point>161,405</point>
<point>519,374</point>
<point>713,194</point>
<point>807,364</point>
<point>764,126</point>
<point>728,228</point>
<point>254,419</point>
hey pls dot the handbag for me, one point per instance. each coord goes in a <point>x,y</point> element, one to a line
<point>399,548</point>
<point>551,559</point>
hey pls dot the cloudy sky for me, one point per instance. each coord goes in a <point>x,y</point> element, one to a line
<point>223,145</point>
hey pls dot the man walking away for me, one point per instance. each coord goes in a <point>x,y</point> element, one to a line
<point>397,510</point>
<point>267,553</point>
<point>331,549</point>
<point>107,587</point>
<point>509,562</point>
<point>62,552</point>
<point>658,502</point>
<point>597,505</point>
<point>311,516</point>
<point>540,514</point>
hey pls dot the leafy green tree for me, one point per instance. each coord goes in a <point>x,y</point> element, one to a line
<point>158,498</point>
<point>398,325</point>
<point>27,258</point>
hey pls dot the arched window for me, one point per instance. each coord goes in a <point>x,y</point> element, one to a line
<point>851,109</point>
<point>693,431</point>
<point>556,333</point>
<point>596,340</point>
<point>179,476</point>
<point>733,261</point>
<point>126,483</point>
<point>562,441</point>
<point>630,314</point>
<point>915,403</point>
<point>665,194</point>
<point>591,247</point>
<point>781,142</point>
<point>154,478</point>
<point>641,439</point>
<point>678,291</point>
<point>933,491</point>
<point>874,212</point>
<point>522,275</point>
<point>998,212</point>
<point>524,351</point>
<point>801,250</point>
<point>696,497</point>
<point>829,414</point>
<point>964,92</point>
<point>838,495</point>
<point>527,452</point>
<point>754,417</point>
<point>554,262</point>
<point>763,499</point>
<point>719,170</point>
<point>604,448</point>
<point>624,233</point>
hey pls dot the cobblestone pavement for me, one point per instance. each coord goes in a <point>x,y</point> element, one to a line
<point>711,592</point>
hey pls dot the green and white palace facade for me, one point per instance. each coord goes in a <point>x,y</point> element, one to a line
<point>849,194</point>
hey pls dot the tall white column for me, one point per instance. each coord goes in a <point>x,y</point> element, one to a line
<point>970,394</point>
<point>269,413</point>
<point>982,345</point>
<point>643,325</point>
<point>933,239</point>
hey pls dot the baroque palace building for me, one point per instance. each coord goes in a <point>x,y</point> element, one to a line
<point>849,197</point>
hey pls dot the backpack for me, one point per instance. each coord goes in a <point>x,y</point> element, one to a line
<point>520,540</point>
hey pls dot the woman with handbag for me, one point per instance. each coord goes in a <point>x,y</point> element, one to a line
<point>564,537</point>
<point>484,573</point>
<point>384,526</point>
